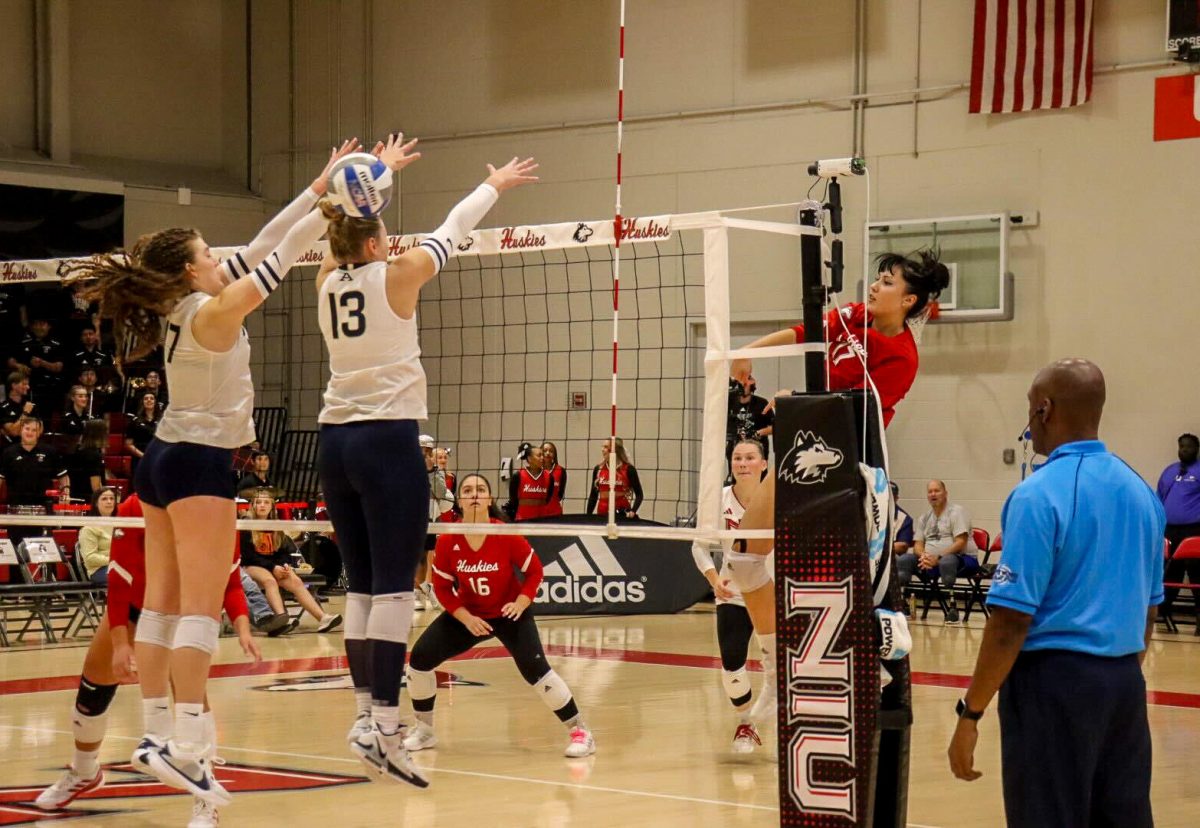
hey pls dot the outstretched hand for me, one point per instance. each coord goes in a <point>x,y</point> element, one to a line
<point>335,154</point>
<point>513,174</point>
<point>396,155</point>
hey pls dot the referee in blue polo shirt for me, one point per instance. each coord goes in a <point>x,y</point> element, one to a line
<point>1073,606</point>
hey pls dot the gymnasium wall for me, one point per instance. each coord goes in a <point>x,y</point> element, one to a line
<point>160,100</point>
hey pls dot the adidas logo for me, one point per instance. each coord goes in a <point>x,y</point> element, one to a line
<point>601,580</point>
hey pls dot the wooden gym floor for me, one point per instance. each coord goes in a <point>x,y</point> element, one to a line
<point>649,687</point>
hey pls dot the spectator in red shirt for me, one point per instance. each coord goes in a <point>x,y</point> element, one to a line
<point>475,577</point>
<point>558,477</point>
<point>529,490</point>
<point>872,341</point>
<point>109,659</point>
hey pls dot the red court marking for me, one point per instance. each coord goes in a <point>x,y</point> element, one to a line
<point>1162,698</point>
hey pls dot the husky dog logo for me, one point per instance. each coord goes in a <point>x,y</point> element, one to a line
<point>466,243</point>
<point>809,460</point>
<point>583,232</point>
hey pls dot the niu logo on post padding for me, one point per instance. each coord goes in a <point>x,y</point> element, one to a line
<point>123,782</point>
<point>820,697</point>
<point>809,460</point>
<point>583,232</point>
<point>581,583</point>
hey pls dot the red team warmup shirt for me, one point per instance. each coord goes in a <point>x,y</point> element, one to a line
<point>532,487</point>
<point>892,360</point>
<point>127,571</point>
<point>484,580</point>
<point>555,508</point>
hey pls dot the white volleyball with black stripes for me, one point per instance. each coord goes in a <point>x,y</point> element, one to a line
<point>360,185</point>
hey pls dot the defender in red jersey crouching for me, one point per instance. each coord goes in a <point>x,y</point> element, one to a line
<point>475,578</point>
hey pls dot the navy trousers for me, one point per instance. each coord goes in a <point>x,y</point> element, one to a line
<point>1075,742</point>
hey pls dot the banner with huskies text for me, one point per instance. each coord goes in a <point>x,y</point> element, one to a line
<point>499,240</point>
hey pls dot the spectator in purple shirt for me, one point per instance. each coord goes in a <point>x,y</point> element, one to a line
<point>1179,491</point>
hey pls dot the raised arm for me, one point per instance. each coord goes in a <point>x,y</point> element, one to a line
<point>740,369</point>
<point>408,273</point>
<point>246,259</point>
<point>218,323</point>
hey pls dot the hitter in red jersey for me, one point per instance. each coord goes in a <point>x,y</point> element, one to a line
<point>477,579</point>
<point>901,292</point>
<point>110,661</point>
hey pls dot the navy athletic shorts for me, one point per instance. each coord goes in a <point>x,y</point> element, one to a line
<point>173,471</point>
<point>376,490</point>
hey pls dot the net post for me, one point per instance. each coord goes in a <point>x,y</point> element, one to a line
<point>813,297</point>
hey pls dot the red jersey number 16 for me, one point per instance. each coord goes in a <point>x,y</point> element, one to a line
<point>480,586</point>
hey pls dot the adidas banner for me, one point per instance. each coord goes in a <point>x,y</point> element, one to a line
<point>588,575</point>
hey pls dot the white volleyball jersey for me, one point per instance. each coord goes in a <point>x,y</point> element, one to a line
<point>731,516</point>
<point>212,395</point>
<point>374,355</point>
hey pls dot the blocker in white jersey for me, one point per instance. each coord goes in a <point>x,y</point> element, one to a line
<point>372,469</point>
<point>375,368</point>
<point>183,481</point>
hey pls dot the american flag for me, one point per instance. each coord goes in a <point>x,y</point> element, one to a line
<point>1031,54</point>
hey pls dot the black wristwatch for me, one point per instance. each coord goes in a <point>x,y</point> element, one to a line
<point>967,713</point>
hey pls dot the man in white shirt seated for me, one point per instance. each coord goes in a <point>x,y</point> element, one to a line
<point>942,545</point>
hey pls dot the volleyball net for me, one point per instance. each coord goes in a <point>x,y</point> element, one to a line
<point>517,338</point>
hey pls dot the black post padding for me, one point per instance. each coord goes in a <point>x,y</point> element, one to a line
<point>812,296</point>
<point>821,556</point>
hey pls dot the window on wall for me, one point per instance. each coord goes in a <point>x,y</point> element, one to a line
<point>43,223</point>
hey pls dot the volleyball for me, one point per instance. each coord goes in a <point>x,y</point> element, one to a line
<point>360,185</point>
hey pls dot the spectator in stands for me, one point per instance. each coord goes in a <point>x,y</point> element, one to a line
<point>904,525</point>
<point>141,429</point>
<point>42,356</point>
<point>529,490</point>
<point>441,457</point>
<point>96,541</point>
<point>86,466</point>
<point>152,384</point>
<point>749,416</point>
<point>942,545</point>
<point>440,501</point>
<point>627,489</point>
<point>558,477</point>
<point>258,476</point>
<point>78,411</point>
<point>29,470</point>
<point>90,354</point>
<point>1179,491</point>
<point>12,317</point>
<point>269,557</point>
<point>16,406</point>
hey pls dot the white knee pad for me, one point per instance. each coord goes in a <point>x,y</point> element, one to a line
<point>358,610</point>
<point>156,628</point>
<point>88,729</point>
<point>895,639</point>
<point>197,632</point>
<point>391,617</point>
<point>737,684</point>
<point>422,684</point>
<point>749,570</point>
<point>553,691</point>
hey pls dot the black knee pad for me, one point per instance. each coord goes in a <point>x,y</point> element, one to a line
<point>94,699</point>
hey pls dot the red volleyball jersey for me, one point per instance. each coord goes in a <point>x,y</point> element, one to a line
<point>555,507</point>
<point>484,580</point>
<point>892,360</point>
<point>127,571</point>
<point>532,487</point>
<point>621,488</point>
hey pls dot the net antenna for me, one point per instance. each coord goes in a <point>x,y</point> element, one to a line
<point>616,290</point>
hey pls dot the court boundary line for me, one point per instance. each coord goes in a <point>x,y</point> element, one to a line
<point>452,771</point>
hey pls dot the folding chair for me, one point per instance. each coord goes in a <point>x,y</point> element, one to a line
<point>976,591</point>
<point>1188,549</point>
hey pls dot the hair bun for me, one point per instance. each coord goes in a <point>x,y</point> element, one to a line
<point>330,212</point>
<point>934,275</point>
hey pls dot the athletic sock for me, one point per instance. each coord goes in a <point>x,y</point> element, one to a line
<point>86,763</point>
<point>156,715</point>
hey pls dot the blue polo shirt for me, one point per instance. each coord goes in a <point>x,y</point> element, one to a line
<point>1083,553</point>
